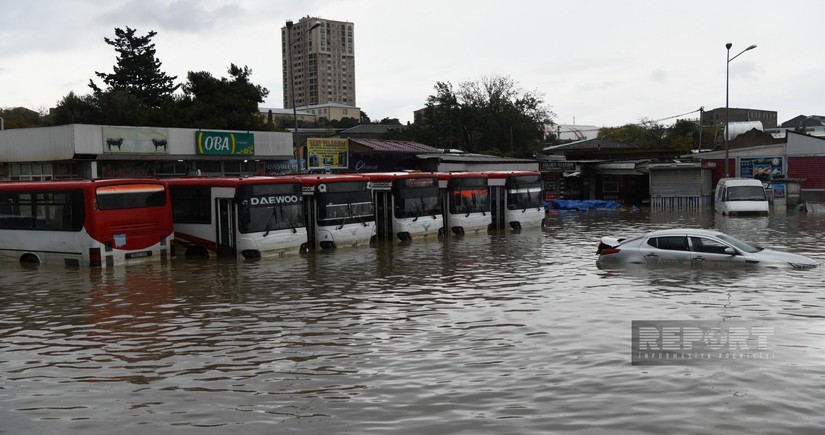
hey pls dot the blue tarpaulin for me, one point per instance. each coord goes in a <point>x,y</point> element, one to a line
<point>587,204</point>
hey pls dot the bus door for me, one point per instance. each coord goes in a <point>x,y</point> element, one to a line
<point>225,218</point>
<point>310,216</point>
<point>383,214</point>
<point>498,201</point>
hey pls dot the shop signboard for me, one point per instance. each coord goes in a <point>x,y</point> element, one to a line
<point>135,140</point>
<point>224,143</point>
<point>327,153</point>
<point>761,168</point>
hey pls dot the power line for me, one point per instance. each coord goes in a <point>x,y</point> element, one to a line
<point>676,116</point>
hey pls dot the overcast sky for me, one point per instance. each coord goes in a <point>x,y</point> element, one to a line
<point>603,63</point>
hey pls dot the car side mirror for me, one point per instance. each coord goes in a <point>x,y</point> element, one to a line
<point>729,251</point>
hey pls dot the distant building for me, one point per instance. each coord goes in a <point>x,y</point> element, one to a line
<point>566,132</point>
<point>311,114</point>
<point>322,60</point>
<point>813,125</point>
<point>718,116</point>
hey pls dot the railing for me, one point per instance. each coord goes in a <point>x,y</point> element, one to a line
<point>681,202</point>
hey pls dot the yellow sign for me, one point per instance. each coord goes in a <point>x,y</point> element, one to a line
<point>326,152</point>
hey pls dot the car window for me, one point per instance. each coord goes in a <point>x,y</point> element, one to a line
<point>702,244</point>
<point>671,243</point>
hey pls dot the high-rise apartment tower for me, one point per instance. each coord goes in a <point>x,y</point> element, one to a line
<point>323,62</point>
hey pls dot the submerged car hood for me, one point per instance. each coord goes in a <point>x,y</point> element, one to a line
<point>769,255</point>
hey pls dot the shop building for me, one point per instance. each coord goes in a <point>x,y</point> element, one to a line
<point>98,151</point>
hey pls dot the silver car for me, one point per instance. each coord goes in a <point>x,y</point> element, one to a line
<point>690,247</point>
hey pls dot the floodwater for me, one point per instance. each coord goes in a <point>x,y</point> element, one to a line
<point>491,334</point>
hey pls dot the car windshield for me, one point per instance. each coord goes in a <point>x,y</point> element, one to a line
<point>743,246</point>
<point>746,193</point>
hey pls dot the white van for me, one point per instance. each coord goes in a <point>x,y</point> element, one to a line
<point>741,196</point>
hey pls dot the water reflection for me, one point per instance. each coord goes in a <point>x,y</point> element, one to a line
<point>510,333</point>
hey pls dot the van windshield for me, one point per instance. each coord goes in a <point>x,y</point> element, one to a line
<point>746,193</point>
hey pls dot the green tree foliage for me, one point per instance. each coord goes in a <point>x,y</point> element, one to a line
<point>139,93</point>
<point>491,115</point>
<point>76,109</point>
<point>225,103</point>
<point>365,119</point>
<point>682,136</point>
<point>137,71</point>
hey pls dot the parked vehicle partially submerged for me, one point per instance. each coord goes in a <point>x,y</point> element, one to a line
<point>694,247</point>
<point>741,196</point>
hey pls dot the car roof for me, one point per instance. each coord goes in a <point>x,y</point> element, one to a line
<point>683,231</point>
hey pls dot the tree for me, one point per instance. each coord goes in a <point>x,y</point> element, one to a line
<point>365,119</point>
<point>682,136</point>
<point>225,103</point>
<point>491,115</point>
<point>137,71</point>
<point>75,109</point>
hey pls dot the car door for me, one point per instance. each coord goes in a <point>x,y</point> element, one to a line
<point>709,252</point>
<point>666,250</point>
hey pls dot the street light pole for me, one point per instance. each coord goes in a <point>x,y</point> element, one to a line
<point>289,43</point>
<point>727,100</point>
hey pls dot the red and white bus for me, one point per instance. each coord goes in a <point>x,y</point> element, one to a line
<point>339,211</point>
<point>466,197</point>
<point>85,222</point>
<point>407,205</point>
<point>225,216</point>
<point>516,198</point>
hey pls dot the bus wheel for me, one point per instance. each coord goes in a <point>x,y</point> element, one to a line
<point>30,260</point>
<point>304,250</point>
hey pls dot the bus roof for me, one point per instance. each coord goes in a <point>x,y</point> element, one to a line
<point>315,179</point>
<point>232,181</point>
<point>392,176</point>
<point>451,175</point>
<point>73,184</point>
<point>508,174</point>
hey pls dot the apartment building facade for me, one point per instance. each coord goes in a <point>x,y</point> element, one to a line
<point>318,59</point>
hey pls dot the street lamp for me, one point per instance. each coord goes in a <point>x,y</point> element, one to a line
<point>289,43</point>
<point>727,101</point>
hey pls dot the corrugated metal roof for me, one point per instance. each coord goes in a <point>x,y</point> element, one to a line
<point>395,146</point>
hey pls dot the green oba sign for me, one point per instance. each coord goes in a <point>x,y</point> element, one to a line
<point>221,143</point>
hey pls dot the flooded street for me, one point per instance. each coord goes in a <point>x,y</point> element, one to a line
<point>516,333</point>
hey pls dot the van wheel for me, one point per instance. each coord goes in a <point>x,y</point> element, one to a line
<point>30,260</point>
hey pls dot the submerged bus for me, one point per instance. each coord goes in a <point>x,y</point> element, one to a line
<point>516,199</point>
<point>339,210</point>
<point>226,216</point>
<point>94,223</point>
<point>407,205</point>
<point>466,199</point>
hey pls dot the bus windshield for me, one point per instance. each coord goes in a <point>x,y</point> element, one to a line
<point>270,207</point>
<point>339,208</point>
<point>469,200</point>
<point>417,202</point>
<point>271,217</point>
<point>524,197</point>
<point>126,196</point>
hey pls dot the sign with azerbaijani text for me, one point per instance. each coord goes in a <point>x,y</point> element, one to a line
<point>325,153</point>
<point>223,143</point>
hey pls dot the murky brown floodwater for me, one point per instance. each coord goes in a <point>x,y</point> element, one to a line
<point>488,334</point>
